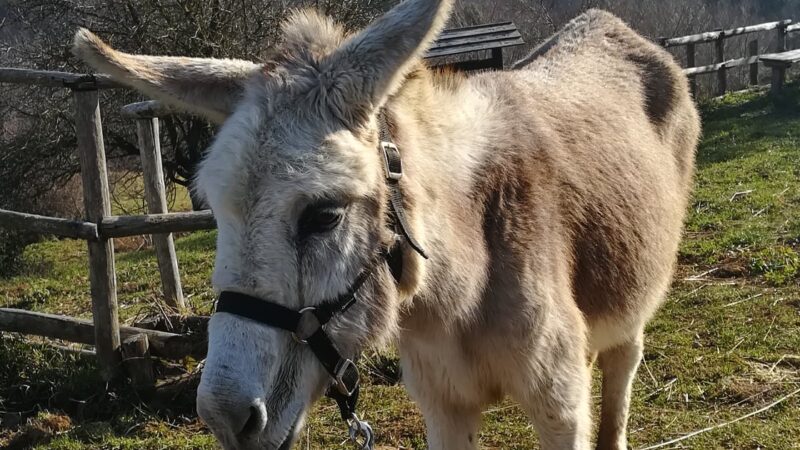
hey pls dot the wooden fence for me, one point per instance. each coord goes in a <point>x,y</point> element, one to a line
<point>113,343</point>
<point>722,61</point>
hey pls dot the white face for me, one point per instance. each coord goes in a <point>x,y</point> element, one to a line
<point>299,212</point>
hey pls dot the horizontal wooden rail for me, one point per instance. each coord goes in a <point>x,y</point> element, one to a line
<point>80,81</point>
<point>146,110</point>
<point>121,226</point>
<point>48,225</point>
<point>111,226</point>
<point>162,344</point>
<point>475,30</point>
<point>723,65</point>
<point>486,37</point>
<point>436,53</point>
<point>714,35</point>
<point>793,27</point>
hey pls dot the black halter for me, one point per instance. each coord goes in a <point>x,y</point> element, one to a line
<point>308,324</point>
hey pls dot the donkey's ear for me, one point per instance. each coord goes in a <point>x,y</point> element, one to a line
<point>374,62</point>
<point>203,86</point>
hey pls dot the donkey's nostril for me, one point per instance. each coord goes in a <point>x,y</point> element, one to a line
<point>257,421</point>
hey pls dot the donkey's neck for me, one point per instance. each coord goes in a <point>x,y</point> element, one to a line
<point>445,129</point>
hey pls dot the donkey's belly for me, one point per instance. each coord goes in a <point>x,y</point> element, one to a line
<point>617,298</point>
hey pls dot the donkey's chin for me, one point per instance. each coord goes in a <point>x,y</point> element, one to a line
<point>290,440</point>
<point>275,439</point>
<point>290,435</point>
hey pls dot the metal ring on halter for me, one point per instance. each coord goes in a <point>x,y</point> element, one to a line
<point>307,325</point>
<point>360,429</point>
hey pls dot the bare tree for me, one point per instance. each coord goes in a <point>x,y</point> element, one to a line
<point>37,139</point>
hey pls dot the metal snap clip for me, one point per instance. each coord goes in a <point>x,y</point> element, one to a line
<point>361,433</point>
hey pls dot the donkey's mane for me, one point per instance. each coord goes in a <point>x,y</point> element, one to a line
<point>309,37</point>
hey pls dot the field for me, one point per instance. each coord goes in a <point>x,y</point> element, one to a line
<point>725,345</point>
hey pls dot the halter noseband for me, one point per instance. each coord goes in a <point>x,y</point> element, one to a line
<point>308,324</point>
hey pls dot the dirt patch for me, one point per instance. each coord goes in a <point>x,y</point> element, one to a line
<point>39,430</point>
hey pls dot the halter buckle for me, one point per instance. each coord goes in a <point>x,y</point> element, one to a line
<point>346,377</point>
<point>307,325</point>
<point>392,163</point>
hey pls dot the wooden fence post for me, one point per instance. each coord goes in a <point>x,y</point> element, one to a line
<point>156,197</point>
<point>722,73</point>
<point>780,42</point>
<point>752,52</point>
<point>138,363</point>
<point>690,62</point>
<point>97,203</point>
<point>778,78</point>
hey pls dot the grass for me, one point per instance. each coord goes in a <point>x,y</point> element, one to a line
<point>725,344</point>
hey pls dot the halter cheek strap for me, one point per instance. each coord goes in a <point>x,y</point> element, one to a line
<point>393,167</point>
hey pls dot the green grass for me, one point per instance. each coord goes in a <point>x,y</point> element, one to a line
<point>725,344</point>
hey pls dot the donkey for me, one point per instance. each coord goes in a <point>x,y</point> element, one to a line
<point>532,226</point>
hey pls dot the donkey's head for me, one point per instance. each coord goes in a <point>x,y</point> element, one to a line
<point>297,186</point>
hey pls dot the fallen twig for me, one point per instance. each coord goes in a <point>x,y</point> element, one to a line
<point>781,192</point>
<point>699,277</point>
<point>739,194</point>
<point>743,300</point>
<point>724,424</point>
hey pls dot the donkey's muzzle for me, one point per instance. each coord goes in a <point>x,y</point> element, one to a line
<point>233,415</point>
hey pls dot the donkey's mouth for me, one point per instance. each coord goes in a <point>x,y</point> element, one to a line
<point>291,437</point>
<point>287,444</point>
<point>289,441</point>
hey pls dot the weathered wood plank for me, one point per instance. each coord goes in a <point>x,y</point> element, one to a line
<point>161,344</point>
<point>475,30</point>
<point>35,223</point>
<point>97,204</point>
<point>474,47</point>
<point>57,79</point>
<point>715,67</point>
<point>121,226</point>
<point>783,58</point>
<point>768,26</point>
<point>156,199</point>
<point>491,37</point>
<point>693,39</point>
<point>714,35</point>
<point>146,110</point>
<point>793,27</point>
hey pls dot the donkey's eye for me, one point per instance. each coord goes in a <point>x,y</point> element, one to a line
<point>319,219</point>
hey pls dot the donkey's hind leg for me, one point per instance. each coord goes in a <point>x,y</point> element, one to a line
<point>618,365</point>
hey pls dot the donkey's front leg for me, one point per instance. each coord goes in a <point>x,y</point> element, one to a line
<point>556,395</point>
<point>451,427</point>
